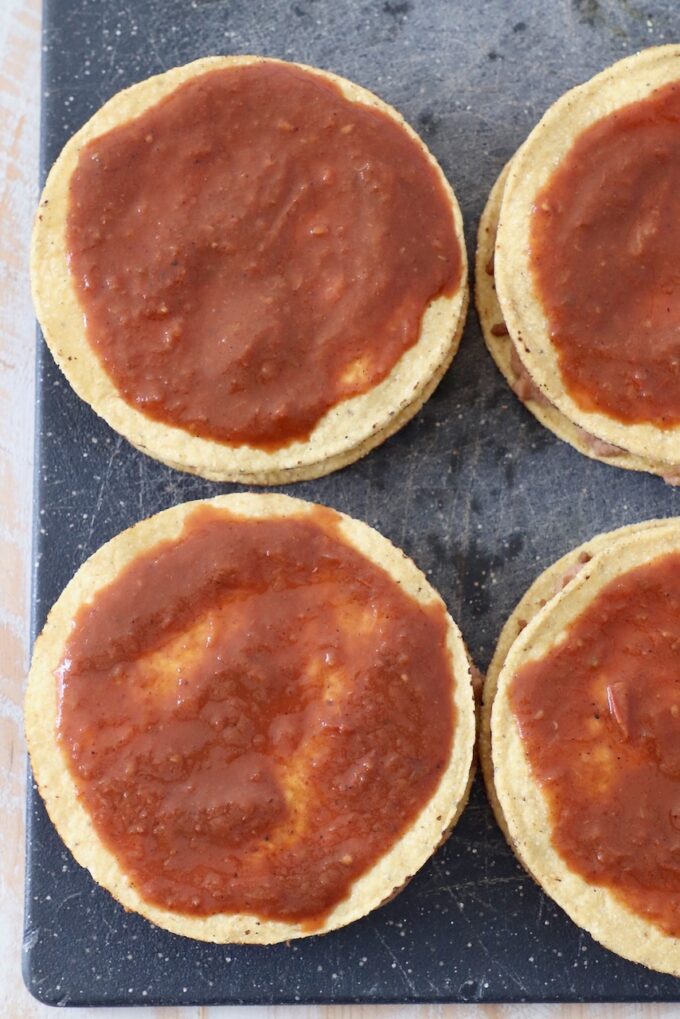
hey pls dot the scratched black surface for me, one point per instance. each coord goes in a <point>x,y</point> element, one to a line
<point>474,489</point>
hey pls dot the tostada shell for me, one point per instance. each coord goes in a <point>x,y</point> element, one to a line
<point>346,432</point>
<point>55,782</point>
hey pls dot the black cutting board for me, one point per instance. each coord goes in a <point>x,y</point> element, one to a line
<point>474,489</point>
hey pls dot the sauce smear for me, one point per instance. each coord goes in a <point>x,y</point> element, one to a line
<point>253,714</point>
<point>605,253</point>
<point>254,249</point>
<point>600,720</point>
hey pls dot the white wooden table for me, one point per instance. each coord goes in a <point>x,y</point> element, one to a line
<point>19,117</point>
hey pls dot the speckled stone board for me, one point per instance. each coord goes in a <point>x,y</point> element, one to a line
<point>474,489</point>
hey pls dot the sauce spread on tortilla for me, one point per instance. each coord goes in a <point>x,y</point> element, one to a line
<point>254,249</point>
<point>600,720</point>
<point>605,253</point>
<point>253,714</point>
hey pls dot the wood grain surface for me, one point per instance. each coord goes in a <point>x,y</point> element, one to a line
<point>19,119</point>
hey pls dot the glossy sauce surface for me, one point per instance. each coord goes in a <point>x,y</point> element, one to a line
<point>599,716</point>
<point>253,714</point>
<point>254,249</point>
<point>605,254</point>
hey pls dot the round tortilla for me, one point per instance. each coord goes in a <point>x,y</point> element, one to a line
<point>552,602</point>
<point>346,432</point>
<point>501,347</point>
<point>627,81</point>
<point>56,785</point>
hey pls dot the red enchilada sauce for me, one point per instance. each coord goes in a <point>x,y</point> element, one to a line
<point>253,715</point>
<point>605,254</point>
<point>254,249</point>
<point>599,716</point>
